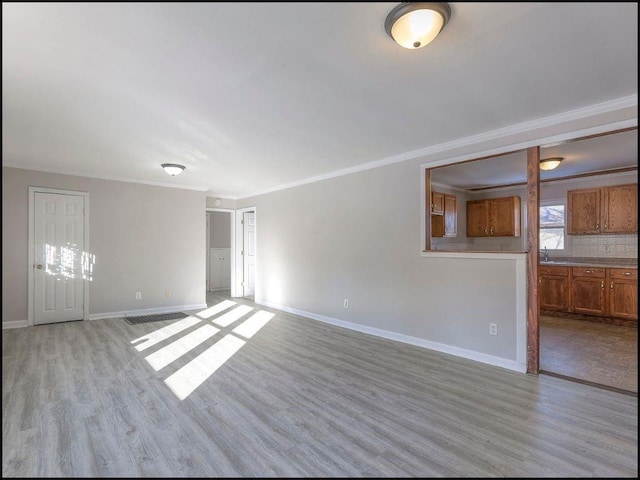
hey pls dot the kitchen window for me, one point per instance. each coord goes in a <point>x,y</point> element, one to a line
<point>553,225</point>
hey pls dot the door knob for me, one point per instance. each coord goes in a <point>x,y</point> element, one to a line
<point>39,266</point>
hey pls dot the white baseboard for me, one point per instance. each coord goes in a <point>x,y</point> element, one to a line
<point>147,311</point>
<point>15,324</point>
<point>399,337</point>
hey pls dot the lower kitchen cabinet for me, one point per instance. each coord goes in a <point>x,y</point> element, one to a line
<point>623,293</point>
<point>554,293</point>
<point>598,291</point>
<point>588,291</point>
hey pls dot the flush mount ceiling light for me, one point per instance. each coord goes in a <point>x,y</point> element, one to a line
<point>415,24</point>
<point>550,163</point>
<point>173,169</point>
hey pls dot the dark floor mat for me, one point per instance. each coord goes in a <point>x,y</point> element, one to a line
<point>155,318</point>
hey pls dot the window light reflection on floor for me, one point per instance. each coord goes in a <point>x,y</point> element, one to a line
<point>163,357</point>
<point>164,333</point>
<point>230,317</point>
<point>251,325</point>
<point>217,308</point>
<point>194,373</point>
<point>189,377</point>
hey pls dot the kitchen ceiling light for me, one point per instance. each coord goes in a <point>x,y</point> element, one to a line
<point>415,24</point>
<point>550,163</point>
<point>173,169</point>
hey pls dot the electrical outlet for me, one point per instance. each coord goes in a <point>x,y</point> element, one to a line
<point>138,295</point>
<point>493,329</point>
<point>346,303</point>
<point>167,293</point>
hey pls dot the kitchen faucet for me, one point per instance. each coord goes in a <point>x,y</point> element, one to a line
<point>545,254</point>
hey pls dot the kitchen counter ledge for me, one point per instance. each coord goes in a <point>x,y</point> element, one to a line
<point>592,262</point>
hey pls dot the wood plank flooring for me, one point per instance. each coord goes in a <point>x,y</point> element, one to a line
<point>298,398</point>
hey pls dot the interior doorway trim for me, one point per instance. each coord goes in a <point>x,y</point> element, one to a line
<point>239,258</point>
<point>31,247</point>
<point>232,251</point>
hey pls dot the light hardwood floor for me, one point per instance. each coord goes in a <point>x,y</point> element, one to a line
<point>298,398</point>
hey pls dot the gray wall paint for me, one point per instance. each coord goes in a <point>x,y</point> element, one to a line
<point>358,237</point>
<point>145,238</point>
<point>224,203</point>
<point>220,230</point>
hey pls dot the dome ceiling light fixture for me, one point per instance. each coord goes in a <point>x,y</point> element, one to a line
<point>173,169</point>
<point>415,24</point>
<point>550,163</point>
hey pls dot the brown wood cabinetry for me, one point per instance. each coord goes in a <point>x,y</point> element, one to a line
<point>446,224</point>
<point>623,293</point>
<point>588,290</point>
<point>437,203</point>
<point>596,291</point>
<point>554,293</point>
<point>620,209</point>
<point>611,209</point>
<point>494,217</point>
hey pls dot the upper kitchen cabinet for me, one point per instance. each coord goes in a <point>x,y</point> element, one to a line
<point>612,209</point>
<point>437,203</point>
<point>445,224</point>
<point>620,209</point>
<point>494,217</point>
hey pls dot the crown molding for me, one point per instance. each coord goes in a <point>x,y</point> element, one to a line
<point>506,133</point>
<point>102,177</point>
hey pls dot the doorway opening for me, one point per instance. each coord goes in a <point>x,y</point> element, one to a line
<point>220,249</point>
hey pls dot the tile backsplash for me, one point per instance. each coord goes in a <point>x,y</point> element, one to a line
<point>620,246</point>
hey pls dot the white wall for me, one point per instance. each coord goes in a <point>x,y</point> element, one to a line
<point>145,239</point>
<point>357,237</point>
<point>360,236</point>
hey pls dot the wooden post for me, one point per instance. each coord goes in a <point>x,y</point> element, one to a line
<point>427,209</point>
<point>533,254</point>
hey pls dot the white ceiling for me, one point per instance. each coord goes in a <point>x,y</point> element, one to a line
<point>606,153</point>
<point>252,96</point>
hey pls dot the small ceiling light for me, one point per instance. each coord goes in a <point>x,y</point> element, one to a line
<point>415,24</point>
<point>173,169</point>
<point>550,163</point>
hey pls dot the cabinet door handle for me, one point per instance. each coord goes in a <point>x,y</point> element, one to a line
<point>605,226</point>
<point>611,285</point>
<point>485,231</point>
<point>588,271</point>
<point>602,284</point>
<point>627,273</point>
<point>597,226</point>
<point>491,230</point>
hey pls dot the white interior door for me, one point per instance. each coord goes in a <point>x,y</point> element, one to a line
<point>249,249</point>
<point>59,256</point>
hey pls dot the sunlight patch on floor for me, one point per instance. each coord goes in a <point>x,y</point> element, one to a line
<point>194,373</point>
<point>230,317</point>
<point>215,309</point>
<point>165,332</point>
<point>163,357</point>
<point>189,377</point>
<point>251,325</point>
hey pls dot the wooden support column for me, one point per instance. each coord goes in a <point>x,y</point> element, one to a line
<point>533,254</point>
<point>427,209</point>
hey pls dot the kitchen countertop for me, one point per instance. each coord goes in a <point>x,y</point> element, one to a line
<point>591,261</point>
